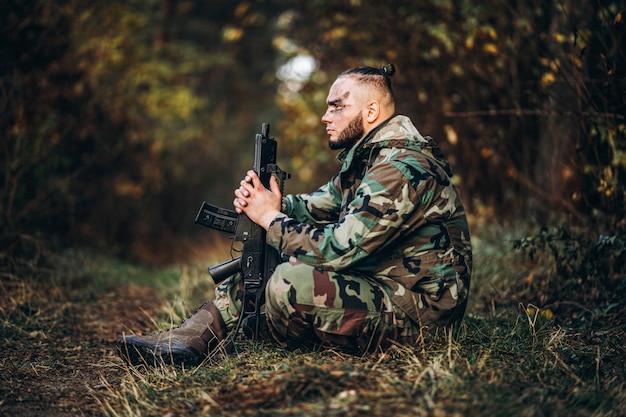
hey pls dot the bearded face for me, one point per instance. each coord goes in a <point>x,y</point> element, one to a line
<point>350,135</point>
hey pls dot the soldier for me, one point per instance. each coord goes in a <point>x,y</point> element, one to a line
<point>379,254</point>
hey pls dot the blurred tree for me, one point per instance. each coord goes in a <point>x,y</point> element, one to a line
<point>499,83</point>
<point>119,117</point>
<point>599,69</point>
<point>122,116</point>
<point>37,111</point>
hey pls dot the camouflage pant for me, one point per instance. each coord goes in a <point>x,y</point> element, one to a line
<point>305,304</point>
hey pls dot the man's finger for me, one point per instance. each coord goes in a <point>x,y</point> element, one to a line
<point>256,181</point>
<point>274,186</point>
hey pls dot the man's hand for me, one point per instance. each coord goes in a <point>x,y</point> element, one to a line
<point>257,202</point>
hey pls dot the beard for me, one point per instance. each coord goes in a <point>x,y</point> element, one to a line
<point>350,135</point>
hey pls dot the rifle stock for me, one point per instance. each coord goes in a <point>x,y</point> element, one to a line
<point>224,270</point>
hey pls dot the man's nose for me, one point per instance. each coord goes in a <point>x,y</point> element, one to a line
<point>326,117</point>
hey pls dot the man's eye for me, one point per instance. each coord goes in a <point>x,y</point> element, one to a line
<point>336,109</point>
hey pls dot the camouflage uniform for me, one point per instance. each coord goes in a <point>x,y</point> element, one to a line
<point>382,252</point>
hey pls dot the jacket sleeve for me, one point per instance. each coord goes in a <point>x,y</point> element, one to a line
<point>319,207</point>
<point>374,218</point>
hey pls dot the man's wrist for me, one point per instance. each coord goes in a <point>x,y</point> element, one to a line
<point>268,219</point>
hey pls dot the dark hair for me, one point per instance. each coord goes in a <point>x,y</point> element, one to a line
<point>377,77</point>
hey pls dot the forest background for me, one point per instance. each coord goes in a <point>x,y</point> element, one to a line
<point>118,118</point>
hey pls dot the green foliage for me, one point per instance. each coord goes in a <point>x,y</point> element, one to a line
<point>513,87</point>
<point>588,270</point>
<point>601,47</point>
<point>30,133</point>
<point>120,117</point>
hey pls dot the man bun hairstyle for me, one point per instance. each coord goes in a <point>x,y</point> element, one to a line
<point>376,77</point>
<point>388,70</point>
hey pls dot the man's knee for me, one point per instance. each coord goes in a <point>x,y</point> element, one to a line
<point>292,274</point>
<point>289,279</point>
<point>276,288</point>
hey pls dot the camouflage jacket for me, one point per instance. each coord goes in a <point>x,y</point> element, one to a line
<point>392,214</point>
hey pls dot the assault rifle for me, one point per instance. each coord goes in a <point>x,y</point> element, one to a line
<point>258,260</point>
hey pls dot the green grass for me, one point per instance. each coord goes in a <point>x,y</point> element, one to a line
<point>513,355</point>
<point>501,366</point>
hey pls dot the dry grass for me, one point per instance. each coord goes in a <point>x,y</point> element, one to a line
<point>512,355</point>
<point>506,365</point>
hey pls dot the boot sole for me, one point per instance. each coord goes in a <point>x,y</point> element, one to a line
<point>136,352</point>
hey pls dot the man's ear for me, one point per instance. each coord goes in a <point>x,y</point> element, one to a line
<point>373,111</point>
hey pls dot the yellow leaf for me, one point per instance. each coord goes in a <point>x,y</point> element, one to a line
<point>490,48</point>
<point>547,79</point>
<point>547,314</point>
<point>242,9</point>
<point>453,138</point>
<point>232,34</point>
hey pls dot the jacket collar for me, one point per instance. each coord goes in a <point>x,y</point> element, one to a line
<point>397,131</point>
<point>348,155</point>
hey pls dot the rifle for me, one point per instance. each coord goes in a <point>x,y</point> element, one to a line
<point>258,260</point>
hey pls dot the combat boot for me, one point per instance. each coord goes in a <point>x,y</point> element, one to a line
<point>188,344</point>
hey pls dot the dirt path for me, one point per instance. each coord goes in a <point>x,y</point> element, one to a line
<point>55,371</point>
